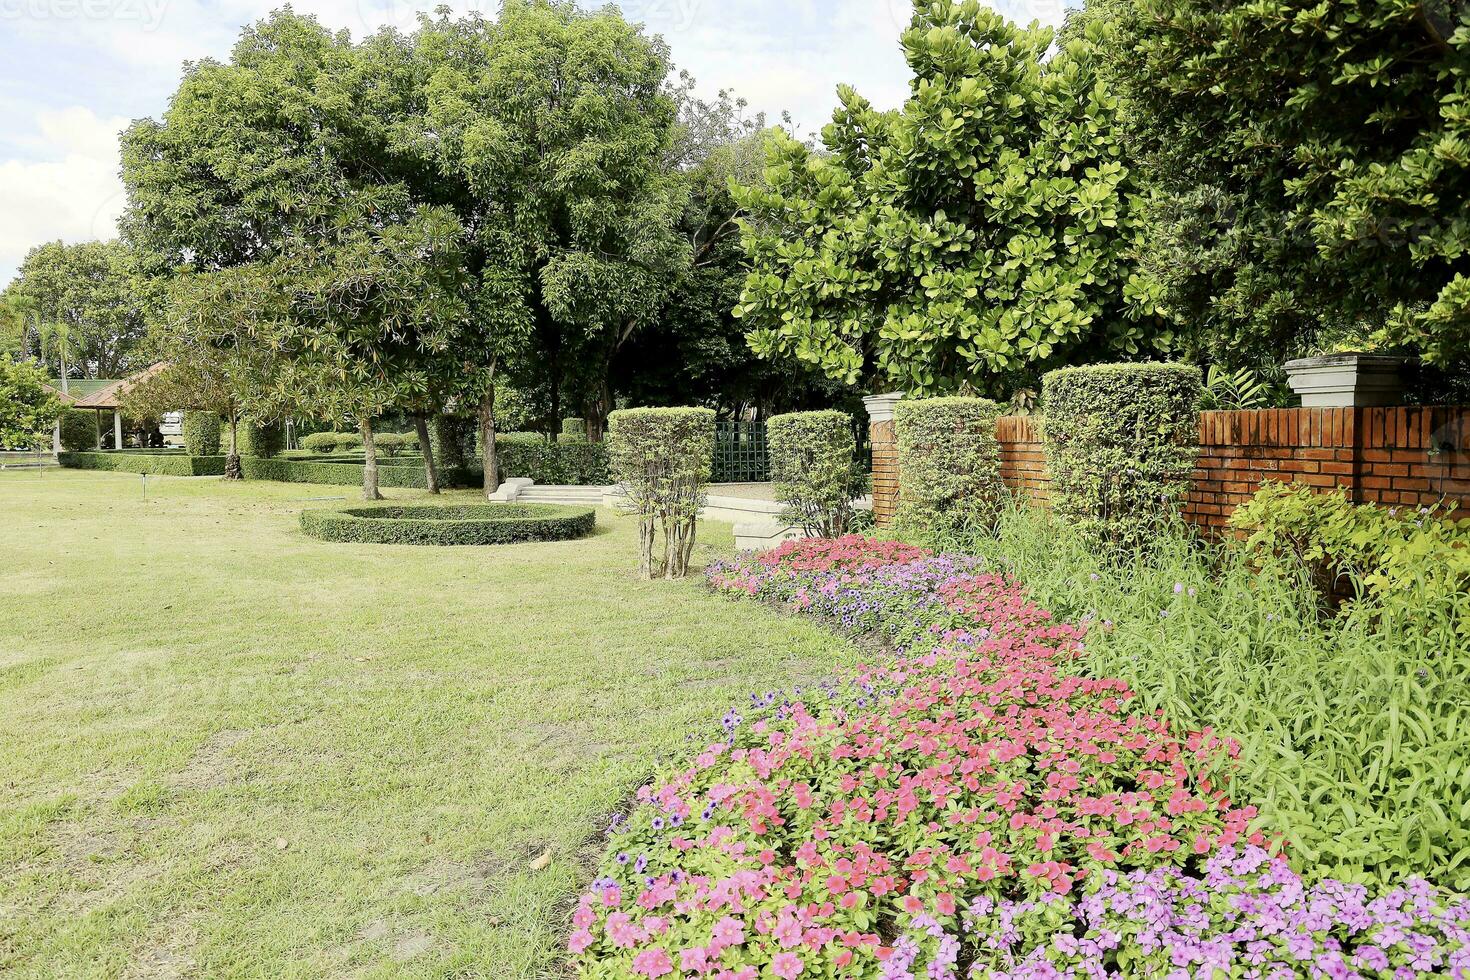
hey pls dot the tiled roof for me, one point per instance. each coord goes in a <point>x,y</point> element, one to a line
<point>111,395</point>
<point>79,388</point>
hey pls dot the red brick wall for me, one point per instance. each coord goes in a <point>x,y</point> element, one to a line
<point>1381,455</point>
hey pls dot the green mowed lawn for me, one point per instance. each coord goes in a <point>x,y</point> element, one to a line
<point>230,750</point>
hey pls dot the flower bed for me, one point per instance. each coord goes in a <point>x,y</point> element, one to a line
<point>971,805</point>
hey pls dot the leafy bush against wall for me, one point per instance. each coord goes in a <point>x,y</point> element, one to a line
<point>201,433</point>
<point>662,457</point>
<point>475,524</point>
<point>813,469</point>
<point>948,465</point>
<point>1411,566</point>
<point>153,464</point>
<point>78,430</point>
<point>1121,443</point>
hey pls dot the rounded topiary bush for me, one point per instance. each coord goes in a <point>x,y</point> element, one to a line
<point>454,524</point>
<point>78,430</point>
<point>812,467</point>
<point>1121,442</point>
<point>201,433</point>
<point>321,443</point>
<point>948,467</point>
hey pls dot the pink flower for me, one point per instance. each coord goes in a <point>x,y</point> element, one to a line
<point>653,963</point>
<point>787,965</point>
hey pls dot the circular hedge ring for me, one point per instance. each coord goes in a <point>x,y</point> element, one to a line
<point>455,524</point>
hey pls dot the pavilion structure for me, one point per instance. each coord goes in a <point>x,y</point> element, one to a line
<point>109,397</point>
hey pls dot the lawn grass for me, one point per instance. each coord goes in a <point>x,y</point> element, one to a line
<point>231,750</point>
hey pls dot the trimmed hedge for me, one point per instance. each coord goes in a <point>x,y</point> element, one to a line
<point>263,440</point>
<point>812,467</point>
<point>78,430</point>
<point>455,524</point>
<point>202,433</point>
<point>349,474</point>
<point>663,458</point>
<point>1121,442</point>
<point>948,466</point>
<point>153,464</point>
<point>583,464</point>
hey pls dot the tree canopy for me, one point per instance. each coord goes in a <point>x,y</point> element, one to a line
<point>29,407</point>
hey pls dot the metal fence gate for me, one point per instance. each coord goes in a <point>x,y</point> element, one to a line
<point>740,453</point>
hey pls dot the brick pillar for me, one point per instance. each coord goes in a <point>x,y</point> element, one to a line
<point>885,455</point>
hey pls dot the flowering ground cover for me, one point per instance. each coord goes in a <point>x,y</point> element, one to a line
<point>969,805</point>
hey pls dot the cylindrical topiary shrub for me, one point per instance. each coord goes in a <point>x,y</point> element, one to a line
<point>1121,442</point>
<point>201,433</point>
<point>812,467</point>
<point>573,430</point>
<point>450,437</point>
<point>262,440</point>
<point>78,430</point>
<point>662,458</point>
<point>948,468</point>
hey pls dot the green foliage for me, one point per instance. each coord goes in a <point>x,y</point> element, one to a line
<point>813,469</point>
<point>980,234</point>
<point>321,442</point>
<point>1234,391</point>
<point>573,430</point>
<point>29,406</point>
<point>348,473</point>
<point>662,457</point>
<point>390,443</point>
<point>1121,442</point>
<point>1410,566</point>
<point>79,430</point>
<point>1351,727</point>
<point>201,433</point>
<point>554,463</point>
<point>151,463</point>
<point>451,439</point>
<point>1311,169</point>
<point>948,465</point>
<point>450,524</point>
<point>260,439</point>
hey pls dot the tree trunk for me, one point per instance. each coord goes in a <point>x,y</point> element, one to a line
<point>431,471</point>
<point>369,461</point>
<point>232,458</point>
<point>487,439</point>
<point>601,405</point>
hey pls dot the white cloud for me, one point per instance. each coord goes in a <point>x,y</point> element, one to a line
<point>70,191</point>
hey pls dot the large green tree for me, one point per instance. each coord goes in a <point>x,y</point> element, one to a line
<point>83,309</point>
<point>979,235</point>
<point>1309,166</point>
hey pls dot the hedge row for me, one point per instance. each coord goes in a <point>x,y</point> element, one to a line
<point>555,463</point>
<point>349,474</point>
<point>154,464</point>
<point>474,524</point>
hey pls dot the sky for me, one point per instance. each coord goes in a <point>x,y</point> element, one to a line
<point>73,73</point>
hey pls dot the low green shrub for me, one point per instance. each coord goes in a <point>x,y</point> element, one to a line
<point>395,443</point>
<point>813,469</point>
<point>1351,727</point>
<point>948,465</point>
<point>1121,442</point>
<point>401,474</point>
<point>78,430</point>
<point>662,457</point>
<point>1409,565</point>
<point>151,463</point>
<point>262,440</point>
<point>201,433</point>
<point>456,524</point>
<point>320,442</point>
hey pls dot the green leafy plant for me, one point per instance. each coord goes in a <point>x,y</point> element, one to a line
<point>29,407</point>
<point>662,458</point>
<point>812,468</point>
<point>153,464</point>
<point>1408,565</point>
<point>79,430</point>
<point>262,440</point>
<point>1121,442</point>
<point>1234,391</point>
<point>201,433</point>
<point>320,442</point>
<point>948,465</point>
<point>573,430</point>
